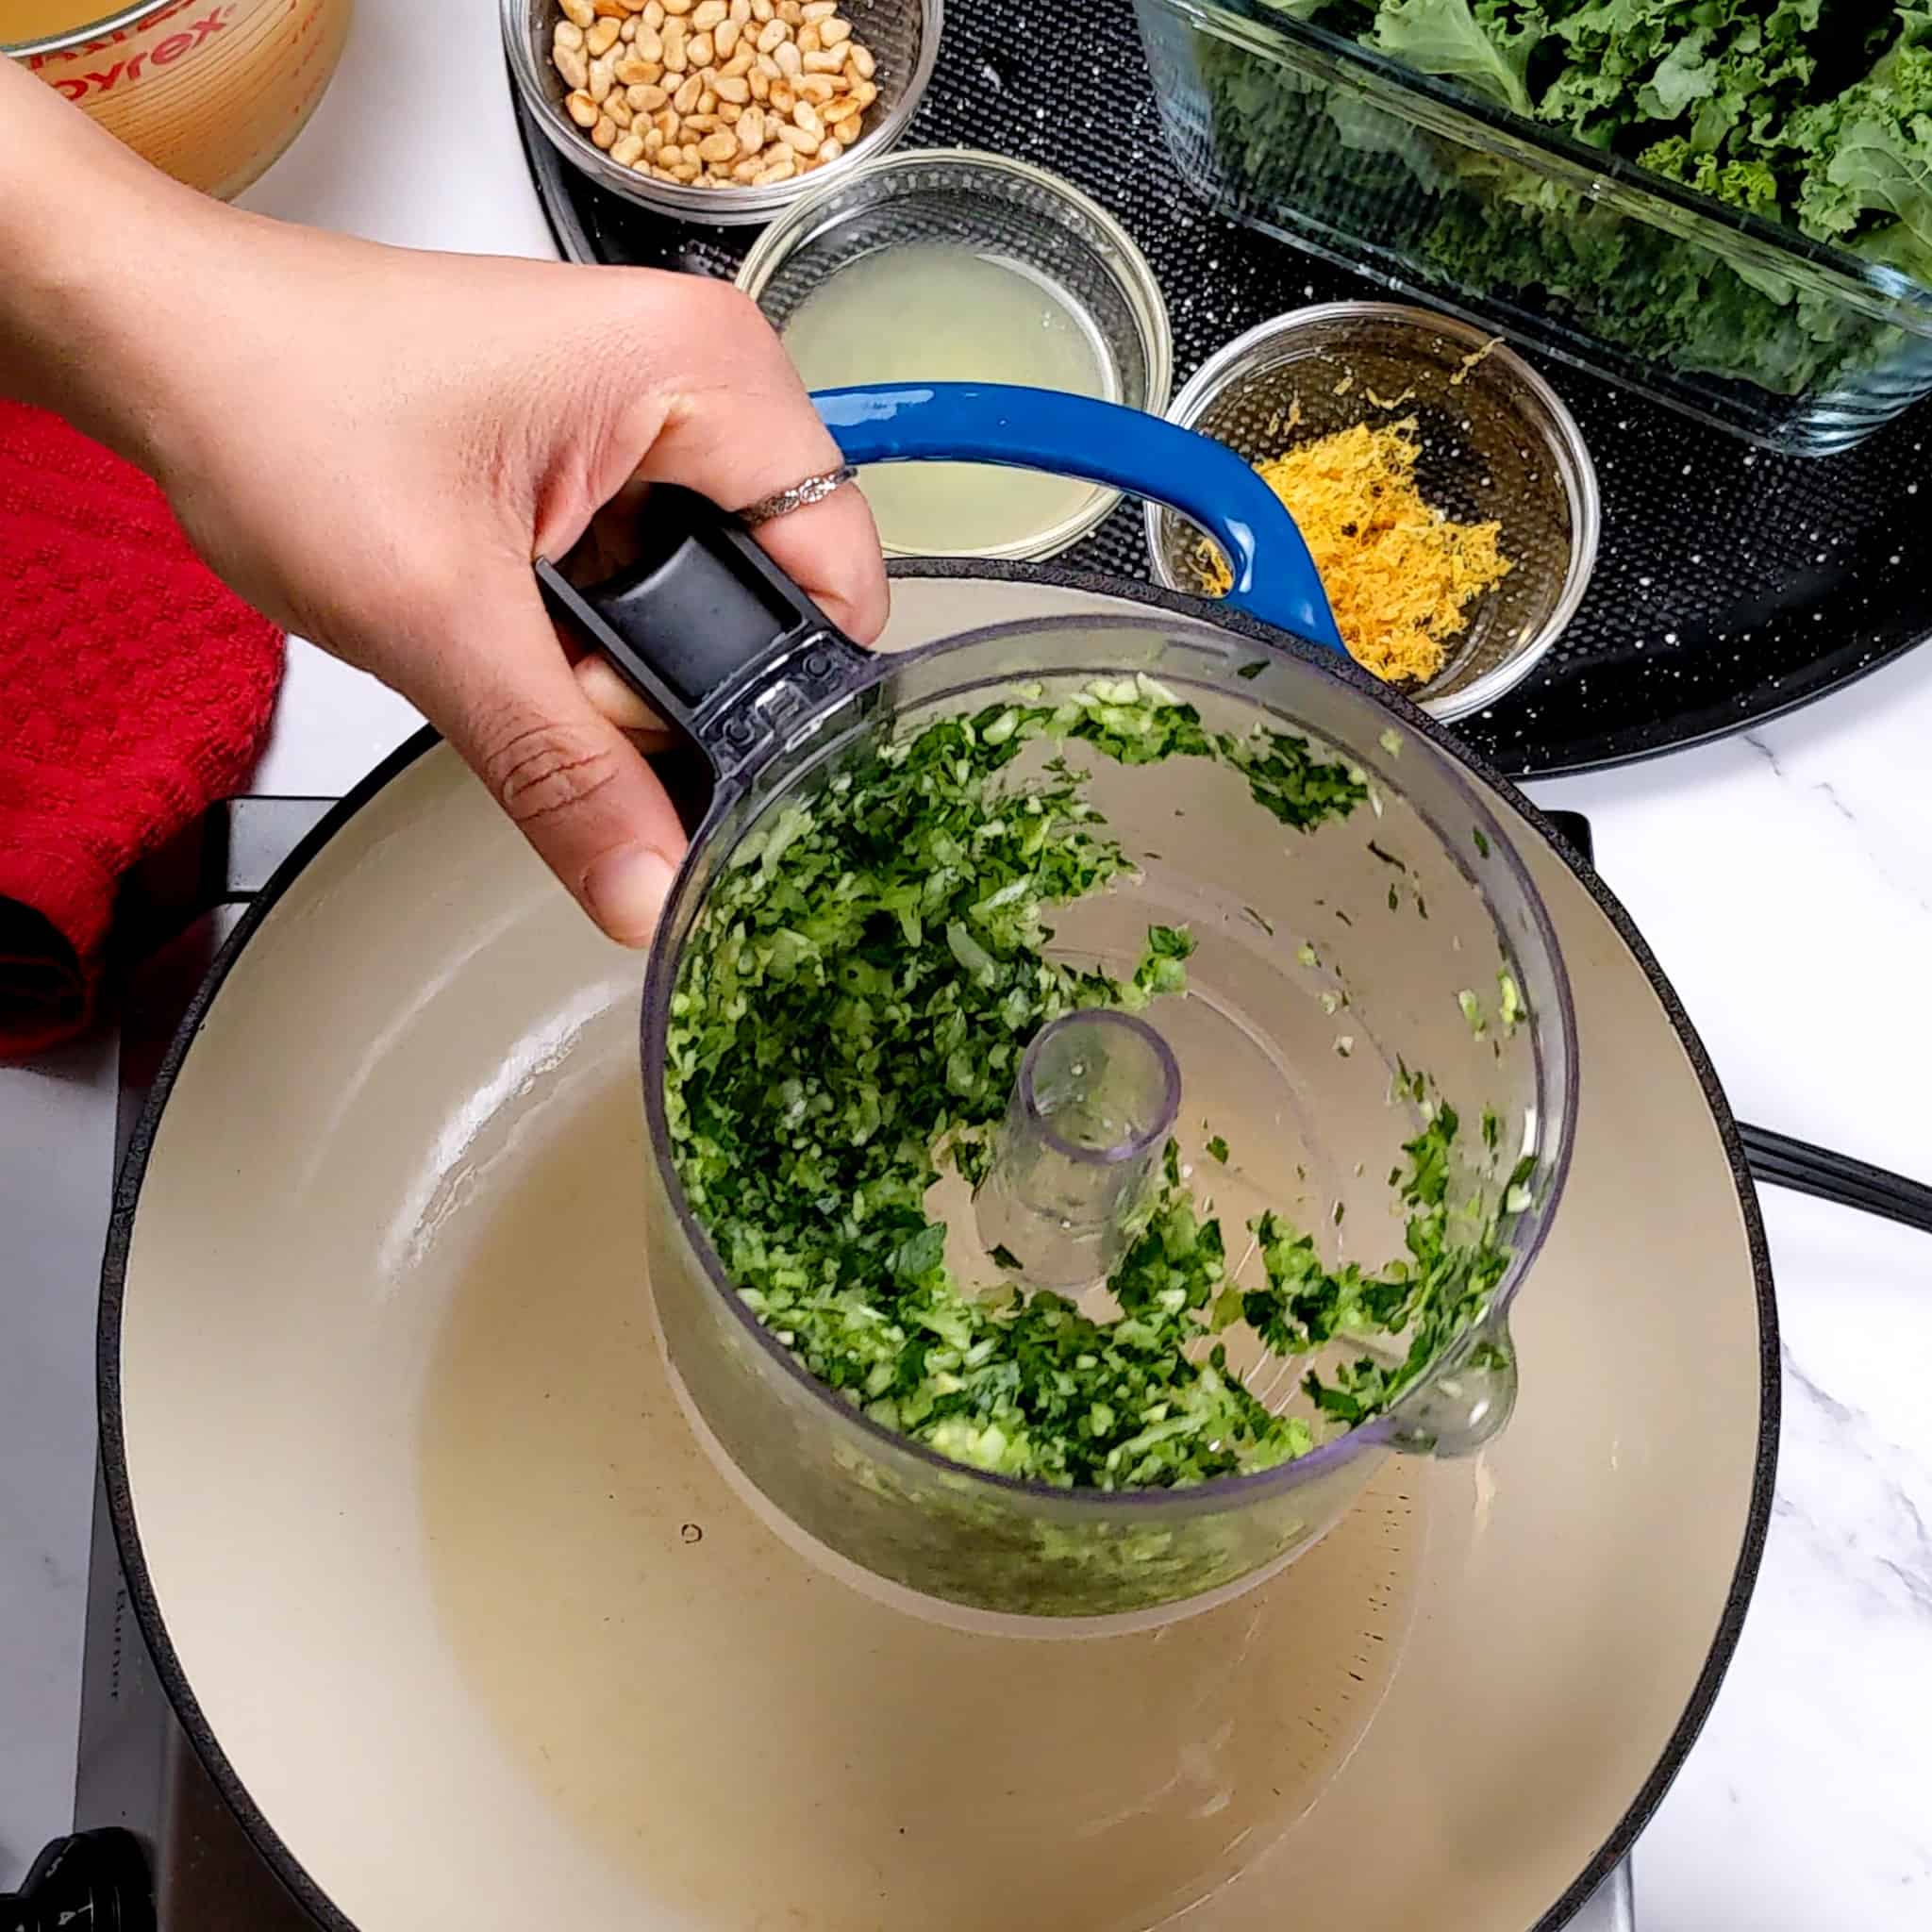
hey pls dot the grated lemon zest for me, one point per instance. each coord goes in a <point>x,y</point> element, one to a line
<point>1400,575</point>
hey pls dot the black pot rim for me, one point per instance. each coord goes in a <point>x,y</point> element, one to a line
<point>275,1852</point>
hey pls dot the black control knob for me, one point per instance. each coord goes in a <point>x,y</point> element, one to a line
<point>96,1881</point>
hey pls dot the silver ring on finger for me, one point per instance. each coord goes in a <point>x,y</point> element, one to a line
<point>800,497</point>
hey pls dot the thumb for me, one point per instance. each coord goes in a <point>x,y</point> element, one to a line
<point>578,789</point>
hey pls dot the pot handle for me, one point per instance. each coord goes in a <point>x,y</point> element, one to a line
<point>1274,578</point>
<point>729,650</point>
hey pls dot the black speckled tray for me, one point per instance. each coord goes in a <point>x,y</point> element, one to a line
<point>1730,585</point>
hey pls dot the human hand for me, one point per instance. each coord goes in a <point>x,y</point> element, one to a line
<point>373,444</point>
<point>396,436</point>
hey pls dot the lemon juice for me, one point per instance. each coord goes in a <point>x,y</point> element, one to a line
<point>928,313</point>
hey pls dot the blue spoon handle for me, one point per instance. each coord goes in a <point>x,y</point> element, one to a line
<point>1274,578</point>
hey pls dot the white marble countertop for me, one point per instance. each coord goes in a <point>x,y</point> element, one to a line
<point>1785,881</point>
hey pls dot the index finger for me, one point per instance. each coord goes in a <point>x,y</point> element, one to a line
<point>741,428</point>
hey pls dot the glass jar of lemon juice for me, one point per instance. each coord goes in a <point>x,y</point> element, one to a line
<point>948,265</point>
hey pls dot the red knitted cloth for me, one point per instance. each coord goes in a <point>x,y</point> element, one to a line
<point>135,690</point>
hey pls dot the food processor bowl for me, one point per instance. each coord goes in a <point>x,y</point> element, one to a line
<point>1356,981</point>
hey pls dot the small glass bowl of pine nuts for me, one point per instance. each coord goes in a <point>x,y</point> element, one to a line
<point>719,110</point>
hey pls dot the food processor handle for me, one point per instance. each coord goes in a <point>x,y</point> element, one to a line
<point>1274,578</point>
<point>97,1880</point>
<point>712,635</point>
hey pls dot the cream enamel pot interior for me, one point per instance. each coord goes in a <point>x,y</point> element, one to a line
<point>473,1637</point>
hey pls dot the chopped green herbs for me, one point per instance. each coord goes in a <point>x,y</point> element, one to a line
<point>1164,968</point>
<point>847,1024</point>
<point>1512,1007</point>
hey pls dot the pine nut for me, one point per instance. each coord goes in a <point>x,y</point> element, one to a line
<point>721,93</point>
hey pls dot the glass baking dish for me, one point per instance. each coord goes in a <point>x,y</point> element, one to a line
<point>1795,344</point>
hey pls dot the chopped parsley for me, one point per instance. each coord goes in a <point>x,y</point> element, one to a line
<point>847,1024</point>
<point>1512,1007</point>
